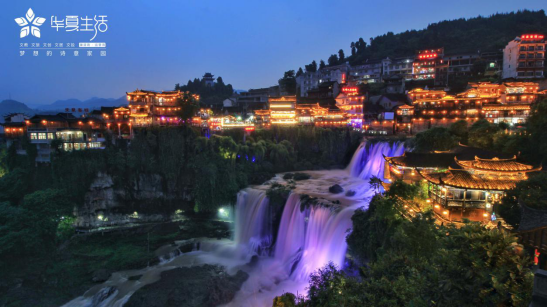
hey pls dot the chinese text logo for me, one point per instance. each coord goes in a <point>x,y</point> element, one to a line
<point>29,18</point>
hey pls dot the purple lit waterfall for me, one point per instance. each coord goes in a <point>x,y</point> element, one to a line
<point>278,247</point>
<point>310,239</point>
<point>368,161</point>
<point>254,223</point>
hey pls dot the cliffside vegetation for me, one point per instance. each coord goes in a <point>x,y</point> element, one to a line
<point>414,262</point>
<point>37,201</point>
<point>461,35</point>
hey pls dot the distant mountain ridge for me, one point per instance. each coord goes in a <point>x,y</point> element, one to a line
<point>12,106</point>
<point>91,103</point>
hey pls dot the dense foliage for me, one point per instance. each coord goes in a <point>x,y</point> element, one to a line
<point>414,262</point>
<point>530,193</point>
<point>209,95</point>
<point>210,170</point>
<point>489,34</point>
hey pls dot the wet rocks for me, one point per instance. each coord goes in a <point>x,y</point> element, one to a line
<point>207,285</point>
<point>336,189</point>
<point>350,193</point>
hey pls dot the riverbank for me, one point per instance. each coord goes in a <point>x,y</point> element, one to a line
<point>86,260</point>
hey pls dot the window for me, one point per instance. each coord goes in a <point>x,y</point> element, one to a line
<point>50,136</point>
<point>32,136</point>
<point>42,136</point>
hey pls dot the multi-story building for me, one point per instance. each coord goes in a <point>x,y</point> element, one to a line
<point>351,102</point>
<point>507,102</point>
<point>525,57</point>
<point>257,98</point>
<point>461,64</point>
<point>370,72</point>
<point>116,119</point>
<point>429,65</point>
<point>74,133</point>
<point>282,110</point>
<point>154,108</point>
<point>398,66</point>
<point>14,126</point>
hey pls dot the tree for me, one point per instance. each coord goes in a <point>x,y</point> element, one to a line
<point>322,64</point>
<point>300,72</point>
<point>312,67</point>
<point>436,138</point>
<point>482,133</point>
<point>353,48</point>
<point>375,183</point>
<point>460,129</point>
<point>189,107</point>
<point>530,193</point>
<point>341,56</point>
<point>333,60</point>
<point>288,83</point>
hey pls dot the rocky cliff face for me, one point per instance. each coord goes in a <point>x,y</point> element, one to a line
<point>148,199</point>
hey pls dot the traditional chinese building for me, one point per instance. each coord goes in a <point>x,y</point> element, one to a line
<point>282,110</point>
<point>351,102</point>
<point>14,126</point>
<point>153,108</point>
<point>472,191</point>
<point>507,102</point>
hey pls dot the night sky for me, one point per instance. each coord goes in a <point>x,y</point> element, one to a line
<point>155,44</point>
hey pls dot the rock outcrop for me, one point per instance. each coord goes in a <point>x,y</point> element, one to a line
<point>148,199</point>
<point>197,286</point>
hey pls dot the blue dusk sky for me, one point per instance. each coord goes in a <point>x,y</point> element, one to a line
<point>155,44</point>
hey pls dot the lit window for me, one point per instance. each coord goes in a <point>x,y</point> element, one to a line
<point>50,136</point>
<point>42,136</point>
<point>33,136</point>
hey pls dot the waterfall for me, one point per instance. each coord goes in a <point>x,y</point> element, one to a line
<point>280,258</point>
<point>254,224</point>
<point>368,159</point>
<point>310,239</point>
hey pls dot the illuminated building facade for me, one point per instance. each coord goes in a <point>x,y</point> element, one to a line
<point>473,190</point>
<point>508,102</point>
<point>152,108</point>
<point>282,110</point>
<point>460,184</point>
<point>429,64</point>
<point>351,102</point>
<point>74,133</point>
<point>525,57</point>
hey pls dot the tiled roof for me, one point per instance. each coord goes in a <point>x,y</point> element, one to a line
<point>495,164</point>
<point>466,180</point>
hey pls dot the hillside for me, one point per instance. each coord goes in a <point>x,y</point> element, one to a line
<point>461,35</point>
<point>10,106</point>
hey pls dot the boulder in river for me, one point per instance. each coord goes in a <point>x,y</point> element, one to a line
<point>336,189</point>
<point>198,286</point>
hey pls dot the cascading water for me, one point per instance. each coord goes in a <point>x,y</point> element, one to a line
<point>368,159</point>
<point>254,233</point>
<point>306,239</point>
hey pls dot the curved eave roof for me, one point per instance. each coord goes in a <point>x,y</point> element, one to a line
<point>496,165</point>
<point>465,180</point>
